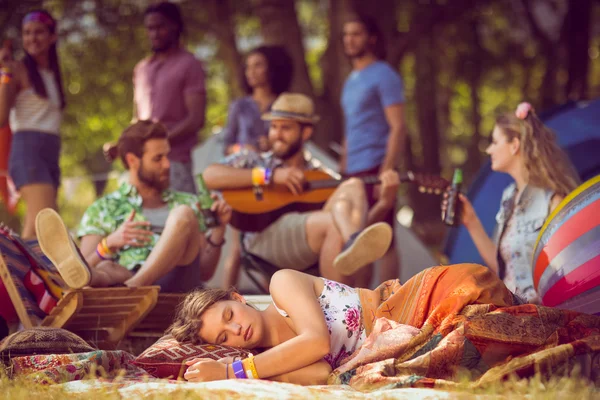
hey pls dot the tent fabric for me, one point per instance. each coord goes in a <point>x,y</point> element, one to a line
<point>577,126</point>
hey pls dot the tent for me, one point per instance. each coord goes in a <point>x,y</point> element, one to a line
<point>414,255</point>
<point>577,126</point>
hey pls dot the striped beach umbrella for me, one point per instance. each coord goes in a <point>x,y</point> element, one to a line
<point>566,257</point>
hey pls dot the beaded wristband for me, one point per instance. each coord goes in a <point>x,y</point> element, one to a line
<point>238,370</point>
<point>268,176</point>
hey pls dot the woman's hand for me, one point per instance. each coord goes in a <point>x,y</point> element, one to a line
<point>205,370</point>
<point>467,214</point>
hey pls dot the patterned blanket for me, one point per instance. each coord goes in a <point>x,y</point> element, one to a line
<point>115,374</point>
<point>450,323</point>
<point>445,324</point>
<point>60,368</point>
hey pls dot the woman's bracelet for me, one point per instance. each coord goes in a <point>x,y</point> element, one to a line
<point>5,75</point>
<point>249,367</point>
<point>238,370</point>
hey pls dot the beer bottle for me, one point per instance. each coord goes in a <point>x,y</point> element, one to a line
<point>205,201</point>
<point>451,216</point>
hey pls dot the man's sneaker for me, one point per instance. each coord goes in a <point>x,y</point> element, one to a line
<point>363,248</point>
<point>57,245</point>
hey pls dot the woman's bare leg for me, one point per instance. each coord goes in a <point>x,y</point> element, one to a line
<point>36,196</point>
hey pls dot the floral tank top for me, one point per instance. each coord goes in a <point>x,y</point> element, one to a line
<point>343,314</point>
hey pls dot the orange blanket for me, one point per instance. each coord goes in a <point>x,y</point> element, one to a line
<point>448,322</point>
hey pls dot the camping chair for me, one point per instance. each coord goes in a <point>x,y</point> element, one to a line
<point>260,270</point>
<point>101,316</point>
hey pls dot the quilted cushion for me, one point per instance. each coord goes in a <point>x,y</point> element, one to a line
<point>42,340</point>
<point>166,358</point>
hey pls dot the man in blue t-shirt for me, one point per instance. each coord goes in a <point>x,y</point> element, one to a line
<point>373,104</point>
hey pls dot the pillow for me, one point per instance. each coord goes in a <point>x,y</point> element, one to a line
<point>42,340</point>
<point>166,358</point>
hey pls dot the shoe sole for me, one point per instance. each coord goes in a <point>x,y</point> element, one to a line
<point>57,245</point>
<point>369,246</point>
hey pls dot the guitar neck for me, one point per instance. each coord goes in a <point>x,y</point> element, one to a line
<point>368,180</point>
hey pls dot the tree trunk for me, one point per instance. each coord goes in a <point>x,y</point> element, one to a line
<point>578,23</point>
<point>427,207</point>
<point>221,24</point>
<point>335,68</point>
<point>279,26</point>
<point>474,78</point>
<point>550,48</point>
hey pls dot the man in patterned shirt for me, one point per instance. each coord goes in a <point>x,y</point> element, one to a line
<point>144,233</point>
<point>343,237</point>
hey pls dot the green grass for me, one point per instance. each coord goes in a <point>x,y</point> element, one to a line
<point>535,388</point>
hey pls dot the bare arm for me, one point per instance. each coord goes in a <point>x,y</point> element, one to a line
<point>485,246</point>
<point>314,374</point>
<point>390,181</point>
<point>88,249</point>
<point>195,105</point>
<point>211,253</point>
<point>555,201</point>
<point>219,177</point>
<point>394,115</point>
<point>8,91</point>
<point>294,292</point>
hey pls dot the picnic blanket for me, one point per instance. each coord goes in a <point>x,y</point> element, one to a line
<point>61,368</point>
<point>453,322</point>
<point>113,372</point>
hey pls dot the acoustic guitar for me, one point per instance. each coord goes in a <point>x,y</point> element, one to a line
<point>47,287</point>
<point>256,208</point>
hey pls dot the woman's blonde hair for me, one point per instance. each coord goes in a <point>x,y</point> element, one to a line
<point>187,323</point>
<point>547,164</point>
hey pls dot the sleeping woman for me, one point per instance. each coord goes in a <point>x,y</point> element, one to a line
<point>315,325</point>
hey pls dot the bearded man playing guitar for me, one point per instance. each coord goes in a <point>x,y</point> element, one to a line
<point>343,236</point>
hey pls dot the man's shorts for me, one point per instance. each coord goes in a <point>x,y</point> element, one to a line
<point>284,243</point>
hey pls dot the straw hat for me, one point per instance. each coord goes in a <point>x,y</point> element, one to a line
<point>294,107</point>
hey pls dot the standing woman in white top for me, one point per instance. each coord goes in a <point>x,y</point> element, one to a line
<point>31,95</point>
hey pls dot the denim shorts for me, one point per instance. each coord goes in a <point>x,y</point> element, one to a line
<point>34,158</point>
